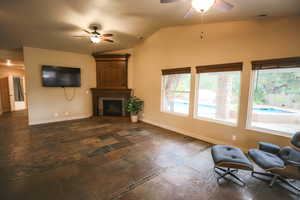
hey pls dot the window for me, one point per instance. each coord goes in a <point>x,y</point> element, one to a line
<point>275,96</point>
<point>218,92</point>
<point>176,90</point>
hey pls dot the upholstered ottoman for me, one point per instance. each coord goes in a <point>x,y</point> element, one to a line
<point>228,160</point>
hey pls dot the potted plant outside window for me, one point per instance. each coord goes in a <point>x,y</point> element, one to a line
<point>134,106</point>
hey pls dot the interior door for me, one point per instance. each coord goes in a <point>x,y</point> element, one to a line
<point>4,92</point>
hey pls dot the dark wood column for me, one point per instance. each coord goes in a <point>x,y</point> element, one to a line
<point>112,79</point>
<point>112,70</point>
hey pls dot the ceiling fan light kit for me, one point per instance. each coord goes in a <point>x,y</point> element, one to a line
<point>202,5</point>
<point>95,39</point>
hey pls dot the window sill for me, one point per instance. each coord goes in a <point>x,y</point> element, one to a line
<point>176,114</point>
<point>216,121</point>
<point>269,131</point>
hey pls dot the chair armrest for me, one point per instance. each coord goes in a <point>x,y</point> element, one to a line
<point>290,156</point>
<point>292,163</point>
<point>268,147</point>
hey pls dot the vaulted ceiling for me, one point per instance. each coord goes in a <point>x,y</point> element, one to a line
<point>52,23</point>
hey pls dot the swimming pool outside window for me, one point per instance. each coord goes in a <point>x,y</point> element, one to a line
<point>218,93</point>
<point>176,90</point>
<point>275,96</point>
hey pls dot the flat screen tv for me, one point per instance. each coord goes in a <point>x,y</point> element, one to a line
<point>54,76</point>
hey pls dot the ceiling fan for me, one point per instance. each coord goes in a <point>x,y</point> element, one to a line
<point>203,6</point>
<point>95,36</point>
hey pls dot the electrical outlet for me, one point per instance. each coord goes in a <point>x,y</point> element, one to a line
<point>55,114</point>
<point>87,92</point>
<point>233,137</point>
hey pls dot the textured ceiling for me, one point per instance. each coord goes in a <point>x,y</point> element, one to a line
<point>51,24</point>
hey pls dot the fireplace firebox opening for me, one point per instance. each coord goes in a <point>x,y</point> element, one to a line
<point>112,107</point>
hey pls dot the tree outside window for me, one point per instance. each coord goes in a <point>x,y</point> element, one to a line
<point>176,93</point>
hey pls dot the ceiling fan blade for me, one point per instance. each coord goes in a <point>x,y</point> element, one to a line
<point>80,36</point>
<point>168,1</point>
<point>108,40</point>
<point>95,33</point>
<point>189,13</point>
<point>223,5</point>
<point>88,32</point>
<point>107,35</point>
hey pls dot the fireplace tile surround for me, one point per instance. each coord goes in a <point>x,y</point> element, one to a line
<point>101,94</point>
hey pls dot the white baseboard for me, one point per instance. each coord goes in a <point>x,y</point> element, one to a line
<point>46,121</point>
<point>191,134</point>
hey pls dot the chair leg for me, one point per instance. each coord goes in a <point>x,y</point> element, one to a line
<point>230,172</point>
<point>238,178</point>
<point>287,182</point>
<point>262,173</point>
<point>276,177</point>
<point>221,175</point>
<point>272,176</point>
<point>226,170</point>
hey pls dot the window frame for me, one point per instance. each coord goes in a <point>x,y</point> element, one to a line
<point>174,71</point>
<point>214,69</point>
<point>250,111</point>
<point>281,63</point>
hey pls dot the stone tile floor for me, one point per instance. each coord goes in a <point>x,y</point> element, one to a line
<point>94,159</point>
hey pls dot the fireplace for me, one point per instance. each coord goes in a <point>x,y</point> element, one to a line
<point>109,102</point>
<point>114,107</point>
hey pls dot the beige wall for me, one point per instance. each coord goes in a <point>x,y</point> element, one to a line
<point>49,104</point>
<point>223,43</point>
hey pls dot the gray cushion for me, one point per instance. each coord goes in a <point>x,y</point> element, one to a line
<point>231,155</point>
<point>296,140</point>
<point>266,160</point>
<point>268,147</point>
<point>289,154</point>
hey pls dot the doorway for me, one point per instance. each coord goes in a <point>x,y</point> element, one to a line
<point>19,93</point>
<point>12,86</point>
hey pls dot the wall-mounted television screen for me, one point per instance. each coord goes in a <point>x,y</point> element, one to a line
<point>53,76</point>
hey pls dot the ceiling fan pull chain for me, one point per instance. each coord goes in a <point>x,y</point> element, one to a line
<point>201,22</point>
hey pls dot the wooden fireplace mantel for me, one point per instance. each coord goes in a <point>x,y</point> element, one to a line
<point>112,79</point>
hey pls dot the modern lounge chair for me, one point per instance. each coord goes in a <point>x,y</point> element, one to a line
<point>281,164</point>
